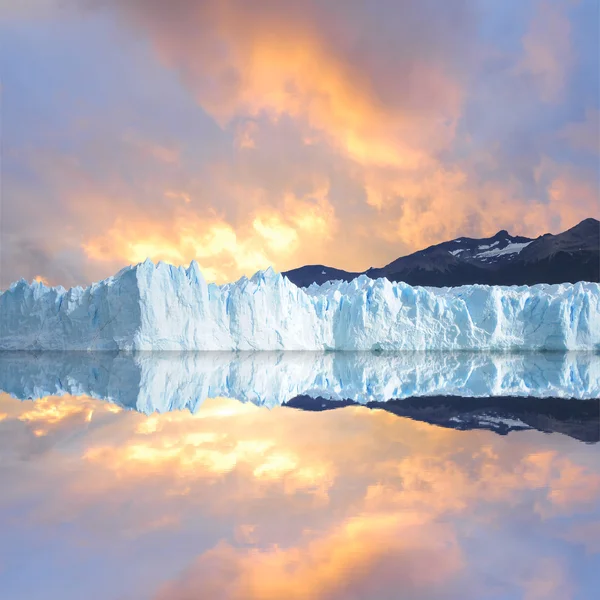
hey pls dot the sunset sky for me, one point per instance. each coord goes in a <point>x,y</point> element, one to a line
<point>249,133</point>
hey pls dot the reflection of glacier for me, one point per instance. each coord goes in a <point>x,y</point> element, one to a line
<point>167,381</point>
<point>148,307</point>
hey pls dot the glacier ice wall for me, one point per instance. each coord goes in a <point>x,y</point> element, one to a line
<point>161,307</point>
<point>164,381</point>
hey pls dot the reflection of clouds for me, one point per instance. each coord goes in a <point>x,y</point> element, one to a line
<point>573,485</point>
<point>587,534</point>
<point>33,428</point>
<point>546,579</point>
<point>350,503</point>
<point>175,446</point>
<point>443,484</point>
<point>48,412</point>
<point>357,559</point>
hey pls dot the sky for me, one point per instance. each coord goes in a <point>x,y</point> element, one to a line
<point>244,503</point>
<point>244,134</point>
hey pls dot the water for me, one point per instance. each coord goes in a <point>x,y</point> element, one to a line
<point>299,476</point>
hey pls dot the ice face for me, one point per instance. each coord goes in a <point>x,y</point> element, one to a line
<point>163,381</point>
<point>161,307</point>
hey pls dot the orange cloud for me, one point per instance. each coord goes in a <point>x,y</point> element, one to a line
<point>245,135</point>
<point>277,64</point>
<point>271,237</point>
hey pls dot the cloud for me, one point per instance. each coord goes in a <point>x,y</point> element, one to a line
<point>547,49</point>
<point>161,153</point>
<point>270,235</point>
<point>547,580</point>
<point>587,534</point>
<point>277,59</point>
<point>26,9</point>
<point>244,135</point>
<point>585,134</point>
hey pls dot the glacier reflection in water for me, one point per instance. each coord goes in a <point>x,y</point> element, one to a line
<point>150,382</point>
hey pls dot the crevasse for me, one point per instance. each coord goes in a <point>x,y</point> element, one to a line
<point>162,307</point>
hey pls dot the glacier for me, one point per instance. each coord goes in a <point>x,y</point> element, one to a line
<point>161,307</point>
<point>164,381</point>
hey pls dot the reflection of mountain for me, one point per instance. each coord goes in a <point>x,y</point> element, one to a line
<point>579,419</point>
<point>150,382</point>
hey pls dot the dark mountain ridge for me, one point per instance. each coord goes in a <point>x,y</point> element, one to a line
<point>503,259</point>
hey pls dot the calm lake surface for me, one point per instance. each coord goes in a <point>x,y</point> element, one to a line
<point>276,476</point>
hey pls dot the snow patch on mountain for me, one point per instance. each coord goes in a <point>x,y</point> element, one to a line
<point>486,246</point>
<point>514,248</point>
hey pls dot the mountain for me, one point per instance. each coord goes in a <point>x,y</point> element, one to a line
<point>304,276</point>
<point>502,259</point>
<point>579,419</point>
